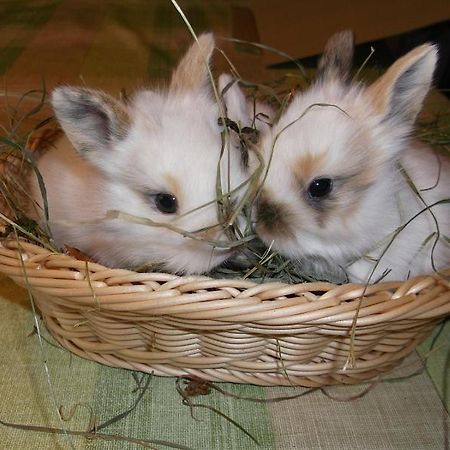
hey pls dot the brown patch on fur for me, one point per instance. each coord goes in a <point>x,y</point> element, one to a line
<point>272,218</point>
<point>308,167</point>
<point>191,72</point>
<point>354,186</point>
<point>379,92</point>
<point>348,188</point>
<point>361,181</point>
<point>366,163</point>
<point>173,186</point>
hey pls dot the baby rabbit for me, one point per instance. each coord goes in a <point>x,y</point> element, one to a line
<point>339,164</point>
<point>155,157</point>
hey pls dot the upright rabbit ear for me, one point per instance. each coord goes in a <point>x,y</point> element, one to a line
<point>192,71</point>
<point>236,110</point>
<point>92,120</point>
<point>337,58</point>
<point>234,99</point>
<point>400,92</point>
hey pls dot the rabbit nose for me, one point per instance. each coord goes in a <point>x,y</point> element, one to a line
<point>273,218</point>
<point>268,214</point>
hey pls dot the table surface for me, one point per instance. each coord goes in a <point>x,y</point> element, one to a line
<point>43,388</point>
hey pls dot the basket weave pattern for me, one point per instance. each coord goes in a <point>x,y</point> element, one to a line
<point>227,330</point>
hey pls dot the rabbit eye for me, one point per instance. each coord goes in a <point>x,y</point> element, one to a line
<point>166,203</point>
<point>320,187</point>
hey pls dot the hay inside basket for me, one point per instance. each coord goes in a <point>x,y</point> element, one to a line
<point>233,329</point>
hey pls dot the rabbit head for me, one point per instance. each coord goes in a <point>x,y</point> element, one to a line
<point>332,171</point>
<point>154,158</point>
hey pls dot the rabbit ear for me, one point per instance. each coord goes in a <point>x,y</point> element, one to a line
<point>337,58</point>
<point>399,93</point>
<point>192,71</point>
<point>234,98</point>
<point>236,111</point>
<point>92,120</point>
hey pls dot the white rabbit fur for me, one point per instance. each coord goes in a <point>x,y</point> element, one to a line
<point>360,144</point>
<point>117,156</point>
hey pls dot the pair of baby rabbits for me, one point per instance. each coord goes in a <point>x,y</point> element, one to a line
<point>342,182</point>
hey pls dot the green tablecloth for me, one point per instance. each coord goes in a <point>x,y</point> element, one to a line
<point>116,44</point>
<point>402,414</point>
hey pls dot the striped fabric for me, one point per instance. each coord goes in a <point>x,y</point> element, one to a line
<point>119,44</point>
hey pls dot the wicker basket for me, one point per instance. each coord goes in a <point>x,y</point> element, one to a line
<point>227,330</point>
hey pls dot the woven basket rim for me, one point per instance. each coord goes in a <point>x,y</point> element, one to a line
<point>67,273</point>
<point>232,330</point>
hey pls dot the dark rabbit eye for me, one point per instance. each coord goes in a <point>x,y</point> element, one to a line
<point>320,187</point>
<point>166,203</point>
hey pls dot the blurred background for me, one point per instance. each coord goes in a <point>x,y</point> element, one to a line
<point>114,44</point>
